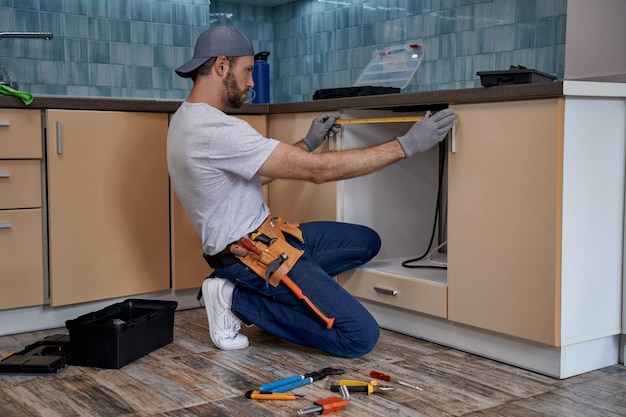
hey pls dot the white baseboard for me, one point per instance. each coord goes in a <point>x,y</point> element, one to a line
<point>30,319</point>
<point>558,362</point>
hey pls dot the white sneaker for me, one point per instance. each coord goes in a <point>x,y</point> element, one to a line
<point>223,324</point>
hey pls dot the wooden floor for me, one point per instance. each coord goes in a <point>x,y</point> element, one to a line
<point>189,377</point>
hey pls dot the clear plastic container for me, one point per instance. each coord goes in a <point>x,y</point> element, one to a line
<point>394,66</point>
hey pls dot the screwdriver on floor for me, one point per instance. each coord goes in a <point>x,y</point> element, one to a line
<point>328,405</point>
<point>383,377</point>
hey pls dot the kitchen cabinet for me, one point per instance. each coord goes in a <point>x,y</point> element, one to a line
<point>504,218</point>
<point>299,201</point>
<point>189,268</point>
<point>534,196</point>
<point>532,215</point>
<point>400,203</point>
<point>21,227</point>
<point>108,205</point>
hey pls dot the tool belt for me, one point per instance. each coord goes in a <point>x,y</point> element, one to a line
<point>269,238</point>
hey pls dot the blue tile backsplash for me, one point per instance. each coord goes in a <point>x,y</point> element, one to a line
<point>129,48</point>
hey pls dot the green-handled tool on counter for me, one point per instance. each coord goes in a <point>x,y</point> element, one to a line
<point>27,98</point>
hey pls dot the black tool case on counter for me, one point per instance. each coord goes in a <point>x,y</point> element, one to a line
<point>514,75</point>
<point>327,93</point>
<point>47,356</point>
<point>121,333</point>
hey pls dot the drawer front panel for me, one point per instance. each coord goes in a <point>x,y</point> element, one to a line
<point>21,258</point>
<point>20,184</point>
<point>398,291</point>
<point>20,134</point>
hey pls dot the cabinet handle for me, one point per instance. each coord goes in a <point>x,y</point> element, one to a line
<point>5,175</point>
<point>453,139</point>
<point>4,124</point>
<point>386,291</point>
<point>59,138</point>
<point>5,225</point>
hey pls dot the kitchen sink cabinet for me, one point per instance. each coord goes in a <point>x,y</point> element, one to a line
<point>21,228</point>
<point>399,202</point>
<point>189,268</point>
<point>108,205</point>
<point>532,193</point>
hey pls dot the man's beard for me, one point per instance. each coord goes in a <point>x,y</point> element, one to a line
<point>234,94</point>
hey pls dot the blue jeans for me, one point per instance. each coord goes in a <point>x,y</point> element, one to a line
<point>329,249</point>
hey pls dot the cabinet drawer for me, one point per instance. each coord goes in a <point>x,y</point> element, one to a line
<point>20,134</point>
<point>399,291</point>
<point>20,183</point>
<point>21,258</point>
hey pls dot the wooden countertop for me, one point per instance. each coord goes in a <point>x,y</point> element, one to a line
<point>426,98</point>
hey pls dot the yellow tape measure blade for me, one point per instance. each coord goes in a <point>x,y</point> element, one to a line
<point>397,119</point>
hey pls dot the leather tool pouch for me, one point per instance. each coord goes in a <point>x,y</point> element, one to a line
<point>274,228</point>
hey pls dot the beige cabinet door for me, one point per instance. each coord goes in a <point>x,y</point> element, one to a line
<point>504,218</point>
<point>189,268</point>
<point>21,258</point>
<point>108,205</point>
<point>299,201</point>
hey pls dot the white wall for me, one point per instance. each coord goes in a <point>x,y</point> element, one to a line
<point>595,45</point>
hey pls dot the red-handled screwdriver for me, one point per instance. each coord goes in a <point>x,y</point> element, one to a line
<point>383,377</point>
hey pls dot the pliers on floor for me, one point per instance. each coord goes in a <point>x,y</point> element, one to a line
<point>288,384</point>
<point>360,386</point>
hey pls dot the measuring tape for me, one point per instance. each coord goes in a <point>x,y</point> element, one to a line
<point>398,119</point>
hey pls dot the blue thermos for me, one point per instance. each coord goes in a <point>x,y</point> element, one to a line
<point>261,78</point>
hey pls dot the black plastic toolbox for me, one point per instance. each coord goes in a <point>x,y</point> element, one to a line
<point>121,333</point>
<point>47,356</point>
<point>514,75</point>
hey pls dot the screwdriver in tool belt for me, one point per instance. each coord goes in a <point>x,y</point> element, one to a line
<point>262,237</point>
<point>383,377</point>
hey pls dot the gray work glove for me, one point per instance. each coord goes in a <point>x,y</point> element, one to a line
<point>319,129</point>
<point>428,132</point>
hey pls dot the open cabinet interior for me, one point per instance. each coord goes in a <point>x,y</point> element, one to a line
<point>399,201</point>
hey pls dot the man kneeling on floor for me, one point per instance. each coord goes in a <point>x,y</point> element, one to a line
<point>270,273</point>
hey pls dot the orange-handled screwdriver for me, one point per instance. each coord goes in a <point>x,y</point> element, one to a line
<point>383,377</point>
<point>256,395</point>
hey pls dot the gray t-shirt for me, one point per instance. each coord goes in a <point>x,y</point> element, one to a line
<point>213,161</point>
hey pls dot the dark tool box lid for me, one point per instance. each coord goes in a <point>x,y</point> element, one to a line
<point>327,93</point>
<point>119,317</point>
<point>516,74</point>
<point>47,356</point>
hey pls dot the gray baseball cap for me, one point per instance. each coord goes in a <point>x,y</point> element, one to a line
<point>217,41</point>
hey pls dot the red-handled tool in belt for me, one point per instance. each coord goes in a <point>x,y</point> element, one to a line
<point>273,267</point>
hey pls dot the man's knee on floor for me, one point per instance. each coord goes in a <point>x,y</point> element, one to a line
<point>361,344</point>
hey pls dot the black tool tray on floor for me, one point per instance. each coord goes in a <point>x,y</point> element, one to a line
<point>514,75</point>
<point>47,356</point>
<point>120,333</point>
